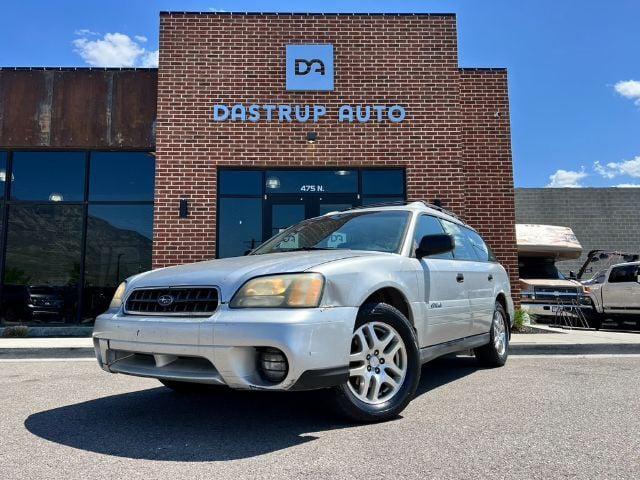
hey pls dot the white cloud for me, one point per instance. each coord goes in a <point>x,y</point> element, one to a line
<point>630,168</point>
<point>115,50</point>
<point>214,9</point>
<point>85,32</point>
<point>567,178</point>
<point>628,185</point>
<point>629,89</point>
<point>150,59</point>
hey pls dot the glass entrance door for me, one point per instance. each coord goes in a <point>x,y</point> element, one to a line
<point>282,211</point>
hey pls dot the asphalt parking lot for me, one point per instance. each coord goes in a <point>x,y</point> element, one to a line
<point>535,418</point>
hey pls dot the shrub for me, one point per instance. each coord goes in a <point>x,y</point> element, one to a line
<point>14,332</point>
<point>520,320</point>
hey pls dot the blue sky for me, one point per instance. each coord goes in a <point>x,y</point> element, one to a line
<point>574,66</point>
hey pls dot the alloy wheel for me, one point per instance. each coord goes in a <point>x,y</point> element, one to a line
<point>499,333</point>
<point>377,364</point>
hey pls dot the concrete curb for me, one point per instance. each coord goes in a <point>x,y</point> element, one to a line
<point>514,349</point>
<point>574,349</point>
<point>35,353</point>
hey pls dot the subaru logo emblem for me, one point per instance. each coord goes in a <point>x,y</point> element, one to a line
<point>165,300</point>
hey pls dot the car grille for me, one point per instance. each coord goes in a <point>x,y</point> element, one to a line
<point>556,294</point>
<point>185,301</point>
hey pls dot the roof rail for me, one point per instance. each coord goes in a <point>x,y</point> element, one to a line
<point>406,202</point>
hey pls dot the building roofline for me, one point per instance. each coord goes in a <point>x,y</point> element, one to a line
<point>483,69</point>
<point>314,14</point>
<point>67,69</point>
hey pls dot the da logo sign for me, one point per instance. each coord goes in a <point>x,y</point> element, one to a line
<point>310,67</point>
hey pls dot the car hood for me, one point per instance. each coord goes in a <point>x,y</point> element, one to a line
<point>230,273</point>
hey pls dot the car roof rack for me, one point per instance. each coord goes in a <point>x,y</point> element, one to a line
<point>407,202</point>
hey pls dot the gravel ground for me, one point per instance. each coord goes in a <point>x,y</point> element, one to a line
<point>535,418</point>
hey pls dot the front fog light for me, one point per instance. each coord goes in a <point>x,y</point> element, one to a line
<point>272,364</point>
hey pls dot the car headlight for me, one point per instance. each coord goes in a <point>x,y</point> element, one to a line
<point>298,290</point>
<point>116,301</point>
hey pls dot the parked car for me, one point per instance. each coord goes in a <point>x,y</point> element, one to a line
<point>615,293</point>
<point>543,288</point>
<point>355,301</point>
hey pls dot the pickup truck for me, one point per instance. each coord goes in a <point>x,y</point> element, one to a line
<point>615,293</point>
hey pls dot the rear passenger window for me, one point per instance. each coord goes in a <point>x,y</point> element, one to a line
<point>628,273</point>
<point>428,225</point>
<point>479,247</point>
<point>464,248</point>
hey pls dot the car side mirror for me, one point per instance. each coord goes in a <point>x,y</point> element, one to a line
<point>572,275</point>
<point>435,244</point>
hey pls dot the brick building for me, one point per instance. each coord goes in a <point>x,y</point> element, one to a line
<point>251,123</point>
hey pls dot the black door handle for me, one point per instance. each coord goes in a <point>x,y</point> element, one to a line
<point>460,278</point>
<point>490,278</point>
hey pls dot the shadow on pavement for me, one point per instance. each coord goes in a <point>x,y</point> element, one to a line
<point>159,424</point>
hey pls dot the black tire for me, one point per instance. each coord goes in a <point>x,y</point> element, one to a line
<point>488,355</point>
<point>187,387</point>
<point>354,408</point>
<point>594,320</point>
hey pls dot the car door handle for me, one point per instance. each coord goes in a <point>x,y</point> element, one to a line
<point>460,278</point>
<point>490,278</point>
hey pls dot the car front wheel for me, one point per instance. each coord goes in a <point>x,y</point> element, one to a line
<point>384,365</point>
<point>495,353</point>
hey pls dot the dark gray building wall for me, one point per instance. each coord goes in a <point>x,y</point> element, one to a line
<point>607,218</point>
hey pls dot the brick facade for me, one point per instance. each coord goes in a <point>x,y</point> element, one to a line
<point>488,173</point>
<point>452,146</point>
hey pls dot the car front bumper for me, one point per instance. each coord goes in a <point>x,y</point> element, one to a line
<point>550,309</point>
<point>223,349</point>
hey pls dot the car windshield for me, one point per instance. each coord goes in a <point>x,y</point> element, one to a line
<point>533,268</point>
<point>381,231</point>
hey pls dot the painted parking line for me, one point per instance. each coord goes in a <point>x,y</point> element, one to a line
<point>576,355</point>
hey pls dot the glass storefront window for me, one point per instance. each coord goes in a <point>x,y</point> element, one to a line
<point>119,242</point>
<point>48,176</point>
<point>382,182</point>
<point>104,223</point>
<point>240,182</point>
<point>42,268</point>
<point>240,226</point>
<point>3,173</point>
<point>311,181</point>
<point>115,176</point>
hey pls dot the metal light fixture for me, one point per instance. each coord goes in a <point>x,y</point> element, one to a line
<point>56,197</point>
<point>312,137</point>
<point>273,182</point>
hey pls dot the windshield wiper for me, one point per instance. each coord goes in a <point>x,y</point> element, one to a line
<point>305,249</point>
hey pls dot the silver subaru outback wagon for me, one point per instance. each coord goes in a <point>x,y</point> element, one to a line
<point>355,301</point>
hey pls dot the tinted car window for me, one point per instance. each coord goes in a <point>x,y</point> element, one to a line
<point>628,273</point>
<point>480,248</point>
<point>464,249</point>
<point>428,225</point>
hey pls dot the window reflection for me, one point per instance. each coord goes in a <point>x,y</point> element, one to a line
<point>119,243</point>
<point>48,176</point>
<point>240,227</point>
<point>42,268</point>
<point>121,176</point>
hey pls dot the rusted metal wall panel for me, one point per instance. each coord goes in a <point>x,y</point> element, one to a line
<point>78,108</point>
<point>133,111</point>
